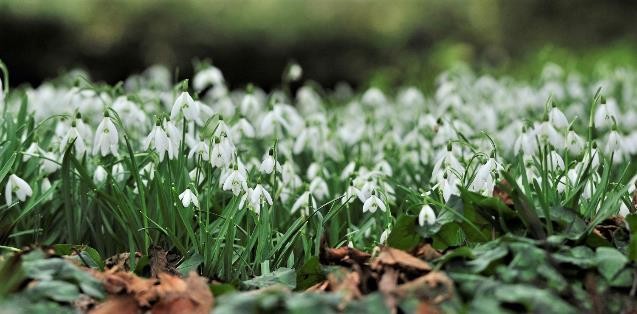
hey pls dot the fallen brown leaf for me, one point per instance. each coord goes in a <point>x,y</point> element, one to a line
<point>158,261</point>
<point>387,285</point>
<point>500,193</point>
<point>427,308</point>
<point>343,254</point>
<point>120,262</point>
<point>389,256</point>
<point>179,296</point>
<point>427,252</point>
<point>165,294</point>
<point>435,287</point>
<point>120,304</point>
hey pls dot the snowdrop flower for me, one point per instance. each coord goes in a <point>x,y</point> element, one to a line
<point>185,107</point>
<point>447,160</point>
<point>592,157</point>
<point>1,92</point>
<point>235,182</point>
<point>373,203</point>
<point>605,113</point>
<point>525,143</point>
<point>557,118</point>
<point>196,176</point>
<point>348,171</point>
<point>318,187</point>
<point>426,216</point>
<point>374,97</point>
<point>250,104</point>
<point>158,140</point>
<point>449,186</point>
<point>19,187</point>
<point>48,164</point>
<point>305,202</point>
<point>574,143</point>
<point>242,128</point>
<point>484,181</point>
<point>207,77</point>
<point>33,149</point>
<point>548,134</point>
<point>258,197</point>
<point>367,190</point>
<point>100,174</point>
<point>614,142</point>
<point>45,185</point>
<point>350,194</point>
<point>73,135</point>
<point>267,165</point>
<point>106,137</point>
<point>220,155</point>
<point>201,150</point>
<point>187,197</point>
<point>555,161</point>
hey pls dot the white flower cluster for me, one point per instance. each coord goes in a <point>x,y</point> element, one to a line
<point>303,151</point>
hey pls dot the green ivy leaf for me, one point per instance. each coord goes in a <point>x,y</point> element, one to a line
<point>610,262</point>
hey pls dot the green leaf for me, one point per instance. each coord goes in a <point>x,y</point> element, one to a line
<point>404,236</point>
<point>221,289</point>
<point>581,256</point>
<point>309,274</point>
<point>56,290</point>
<point>486,255</point>
<point>631,219</point>
<point>190,264</point>
<point>610,262</point>
<point>450,235</point>
<point>284,276</point>
<point>536,300</point>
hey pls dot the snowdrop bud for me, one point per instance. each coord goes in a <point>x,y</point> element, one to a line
<point>118,172</point>
<point>19,187</point>
<point>557,118</point>
<point>187,197</point>
<point>614,142</point>
<point>426,215</point>
<point>45,185</point>
<point>100,174</point>
<point>384,236</point>
<point>574,143</point>
<point>267,166</point>
<point>294,72</point>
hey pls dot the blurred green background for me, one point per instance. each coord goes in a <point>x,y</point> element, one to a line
<point>361,42</point>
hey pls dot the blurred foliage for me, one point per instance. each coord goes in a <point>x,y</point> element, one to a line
<point>252,41</point>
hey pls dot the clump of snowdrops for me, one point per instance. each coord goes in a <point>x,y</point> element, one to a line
<point>242,181</point>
